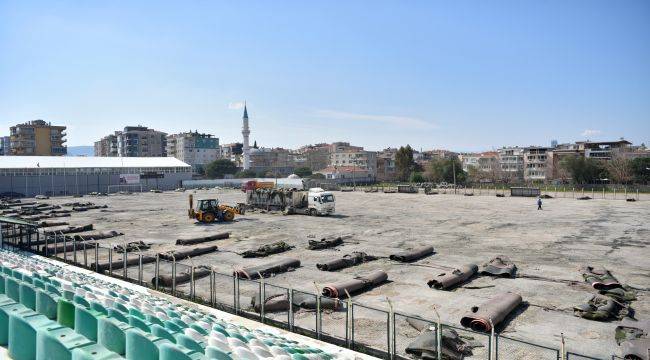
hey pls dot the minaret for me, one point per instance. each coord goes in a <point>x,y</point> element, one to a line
<point>245,131</point>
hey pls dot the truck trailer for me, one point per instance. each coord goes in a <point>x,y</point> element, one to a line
<point>314,201</point>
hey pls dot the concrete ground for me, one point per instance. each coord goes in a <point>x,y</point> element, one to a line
<point>547,246</point>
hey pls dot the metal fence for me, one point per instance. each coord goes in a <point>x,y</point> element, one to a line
<point>379,332</point>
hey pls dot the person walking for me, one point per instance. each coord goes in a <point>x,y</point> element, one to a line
<point>539,203</point>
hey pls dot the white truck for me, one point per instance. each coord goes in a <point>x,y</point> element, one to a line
<point>314,201</point>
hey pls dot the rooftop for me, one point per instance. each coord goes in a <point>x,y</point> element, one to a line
<point>28,162</point>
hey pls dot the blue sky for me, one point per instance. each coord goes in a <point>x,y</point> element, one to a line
<point>463,75</point>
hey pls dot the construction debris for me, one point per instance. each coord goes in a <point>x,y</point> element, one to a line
<point>184,254</point>
<point>131,247</point>
<point>633,336</point>
<point>447,280</point>
<point>495,309</point>
<point>280,302</point>
<point>183,277</point>
<point>89,207</point>
<point>599,278</point>
<point>268,249</point>
<point>202,239</point>
<point>348,260</point>
<point>119,264</point>
<point>97,235</point>
<point>52,223</point>
<point>357,284</point>
<point>599,308</point>
<point>327,242</point>
<point>452,347</point>
<point>412,255</point>
<point>70,229</point>
<point>268,269</point>
<point>499,266</point>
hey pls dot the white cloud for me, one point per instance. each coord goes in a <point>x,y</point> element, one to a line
<point>403,121</point>
<point>591,132</point>
<point>236,105</point>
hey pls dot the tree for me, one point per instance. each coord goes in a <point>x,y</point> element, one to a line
<point>439,170</point>
<point>640,168</point>
<point>218,168</point>
<point>317,176</point>
<point>302,171</point>
<point>584,170</point>
<point>255,144</point>
<point>246,174</point>
<point>404,163</point>
<point>416,177</point>
<point>620,169</point>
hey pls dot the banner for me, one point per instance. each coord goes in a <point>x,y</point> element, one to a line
<point>129,179</point>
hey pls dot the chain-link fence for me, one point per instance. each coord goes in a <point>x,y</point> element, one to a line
<point>512,349</point>
<point>370,330</point>
<point>574,356</point>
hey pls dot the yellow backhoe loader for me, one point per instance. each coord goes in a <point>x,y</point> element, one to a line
<point>209,210</point>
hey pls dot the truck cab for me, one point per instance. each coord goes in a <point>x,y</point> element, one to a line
<point>320,202</point>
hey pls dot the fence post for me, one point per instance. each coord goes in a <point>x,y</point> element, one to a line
<point>235,292</point>
<point>290,315</point>
<point>45,248</point>
<point>625,189</point>
<point>263,298</point>
<point>140,269</point>
<point>157,270</point>
<point>124,259</point>
<point>96,257</point>
<point>192,288</point>
<point>494,352</point>
<point>614,193</point>
<point>592,193</point>
<point>74,250</point>
<point>212,287</point>
<point>391,330</point>
<point>603,192</point>
<point>562,350</point>
<point>110,261</point>
<point>85,254</point>
<point>65,248</point>
<point>637,195</point>
<point>173,275</point>
<point>438,334</point>
<point>574,192</point>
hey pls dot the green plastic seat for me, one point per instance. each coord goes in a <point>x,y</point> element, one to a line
<point>46,304</point>
<point>172,314</point>
<point>81,301</point>
<point>140,345</point>
<point>22,334</point>
<point>12,288</point>
<point>114,313</point>
<point>58,342</point>
<point>299,357</point>
<point>65,312</point>
<point>121,307</point>
<point>172,326</point>
<point>137,313</point>
<point>85,322</point>
<point>179,322</point>
<point>98,307</point>
<point>214,353</point>
<point>4,300</point>
<point>220,329</point>
<point>175,352</point>
<point>52,289</point>
<point>5,311</point>
<point>111,334</point>
<point>189,343</point>
<point>2,284</point>
<point>200,330</point>
<point>68,295</point>
<point>38,283</point>
<point>27,295</point>
<point>161,332</point>
<point>139,323</point>
<point>94,352</point>
<point>7,271</point>
<point>154,320</point>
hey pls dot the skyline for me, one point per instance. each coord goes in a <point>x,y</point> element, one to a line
<point>466,77</point>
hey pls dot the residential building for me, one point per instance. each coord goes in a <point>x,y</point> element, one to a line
<point>315,157</point>
<point>106,146</point>
<point>386,170</point>
<point>37,138</point>
<point>604,150</point>
<point>194,149</point>
<point>5,145</point>
<point>536,166</point>
<point>133,141</point>
<point>484,161</point>
<point>277,161</point>
<point>233,152</point>
<point>343,154</point>
<point>511,163</point>
<point>556,156</point>
<point>347,175</point>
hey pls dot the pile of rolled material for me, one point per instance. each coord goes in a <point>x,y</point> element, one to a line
<point>447,280</point>
<point>599,278</point>
<point>633,336</point>
<point>202,239</point>
<point>357,284</point>
<point>268,269</point>
<point>280,302</point>
<point>184,254</point>
<point>325,243</point>
<point>495,309</point>
<point>348,260</point>
<point>413,254</point>
<point>599,308</point>
<point>499,266</point>
<point>167,280</point>
<point>97,235</point>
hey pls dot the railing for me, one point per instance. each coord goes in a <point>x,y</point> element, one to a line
<point>383,333</point>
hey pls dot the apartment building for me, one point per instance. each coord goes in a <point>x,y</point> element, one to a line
<point>315,157</point>
<point>511,162</point>
<point>5,145</point>
<point>484,161</point>
<point>604,150</point>
<point>386,169</point>
<point>536,165</point>
<point>278,161</point>
<point>133,141</point>
<point>37,138</point>
<point>194,149</point>
<point>343,154</point>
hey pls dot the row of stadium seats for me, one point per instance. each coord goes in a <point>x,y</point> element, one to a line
<point>50,312</point>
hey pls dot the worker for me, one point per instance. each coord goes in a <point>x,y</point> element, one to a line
<point>539,203</point>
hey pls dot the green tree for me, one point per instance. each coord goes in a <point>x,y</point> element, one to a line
<point>404,163</point>
<point>219,168</point>
<point>246,174</point>
<point>317,176</point>
<point>416,177</point>
<point>440,170</point>
<point>302,171</point>
<point>584,170</point>
<point>640,168</point>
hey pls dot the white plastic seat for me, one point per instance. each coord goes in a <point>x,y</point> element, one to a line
<point>260,352</point>
<point>234,343</point>
<point>277,351</point>
<point>195,335</point>
<point>219,336</point>
<point>219,344</point>
<point>282,357</point>
<point>244,354</point>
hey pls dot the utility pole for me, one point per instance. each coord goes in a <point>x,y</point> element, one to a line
<point>453,166</point>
